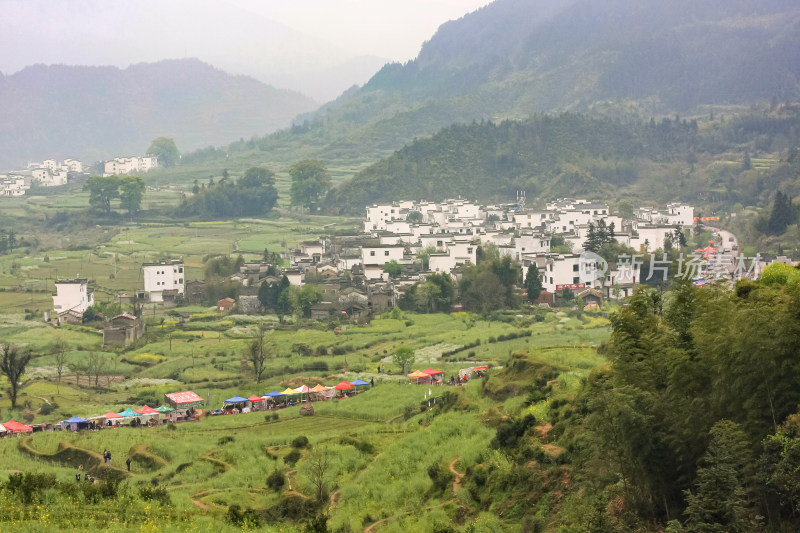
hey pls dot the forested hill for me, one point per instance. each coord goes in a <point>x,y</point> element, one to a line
<point>93,113</point>
<point>568,154</point>
<point>514,58</point>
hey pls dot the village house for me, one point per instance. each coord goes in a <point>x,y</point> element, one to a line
<point>123,329</point>
<point>72,298</point>
<point>225,305</point>
<point>129,165</point>
<point>164,280</point>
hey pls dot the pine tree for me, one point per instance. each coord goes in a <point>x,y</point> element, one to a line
<point>533,284</point>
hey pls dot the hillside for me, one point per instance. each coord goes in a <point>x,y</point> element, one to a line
<point>515,58</point>
<point>565,155</point>
<point>94,113</point>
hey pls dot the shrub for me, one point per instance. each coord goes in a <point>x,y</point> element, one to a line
<point>156,494</point>
<point>300,442</point>
<point>244,519</point>
<point>292,457</point>
<point>48,408</point>
<point>225,440</point>
<point>275,480</point>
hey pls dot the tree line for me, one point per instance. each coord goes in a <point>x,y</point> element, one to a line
<point>696,420</point>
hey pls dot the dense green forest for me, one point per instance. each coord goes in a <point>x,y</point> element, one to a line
<point>567,154</point>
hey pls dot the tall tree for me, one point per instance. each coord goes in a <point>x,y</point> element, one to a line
<point>258,352</point>
<point>310,180</point>
<point>101,191</point>
<point>533,283</point>
<point>782,214</point>
<point>404,357</point>
<point>13,363</point>
<point>59,351</point>
<point>719,502</point>
<point>165,150</point>
<point>131,192</point>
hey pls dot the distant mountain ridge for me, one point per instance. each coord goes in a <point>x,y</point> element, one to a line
<point>94,113</point>
<point>514,58</point>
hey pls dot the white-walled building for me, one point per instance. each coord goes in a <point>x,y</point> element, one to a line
<point>72,295</point>
<point>164,276</point>
<point>130,165</point>
<point>379,255</point>
<point>13,186</point>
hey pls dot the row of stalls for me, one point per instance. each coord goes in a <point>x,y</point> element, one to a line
<point>289,397</point>
<point>429,376</point>
<point>177,407</point>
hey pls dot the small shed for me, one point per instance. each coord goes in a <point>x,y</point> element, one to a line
<point>224,305</point>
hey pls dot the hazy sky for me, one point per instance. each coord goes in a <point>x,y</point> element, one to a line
<point>302,44</point>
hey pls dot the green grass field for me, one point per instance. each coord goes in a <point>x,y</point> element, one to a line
<point>381,445</point>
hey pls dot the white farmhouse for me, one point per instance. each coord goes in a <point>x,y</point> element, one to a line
<point>12,186</point>
<point>165,278</point>
<point>72,298</point>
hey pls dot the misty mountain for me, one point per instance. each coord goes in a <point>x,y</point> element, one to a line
<point>94,113</point>
<point>515,58</point>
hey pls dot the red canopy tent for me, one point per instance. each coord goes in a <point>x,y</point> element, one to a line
<point>147,410</point>
<point>436,375</point>
<point>484,367</point>
<point>17,427</point>
<point>111,415</point>
<point>257,403</point>
<point>344,385</point>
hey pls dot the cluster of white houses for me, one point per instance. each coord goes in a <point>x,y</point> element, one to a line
<point>350,269</point>
<point>164,281</point>
<point>48,173</point>
<point>52,173</point>
<point>449,234</point>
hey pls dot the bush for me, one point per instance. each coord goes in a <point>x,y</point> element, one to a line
<point>156,494</point>
<point>300,442</point>
<point>244,519</point>
<point>225,440</point>
<point>292,457</point>
<point>275,480</point>
<point>48,408</point>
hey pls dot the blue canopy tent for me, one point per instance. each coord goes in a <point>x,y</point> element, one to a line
<point>359,382</point>
<point>75,423</point>
<point>273,394</point>
<point>237,402</point>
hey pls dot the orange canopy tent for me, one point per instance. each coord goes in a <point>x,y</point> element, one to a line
<point>320,388</point>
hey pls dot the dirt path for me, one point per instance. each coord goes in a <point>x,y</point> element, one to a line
<point>334,500</point>
<point>456,485</point>
<point>459,476</point>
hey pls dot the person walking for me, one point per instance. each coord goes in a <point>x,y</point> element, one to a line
<point>128,462</point>
<point>108,458</point>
